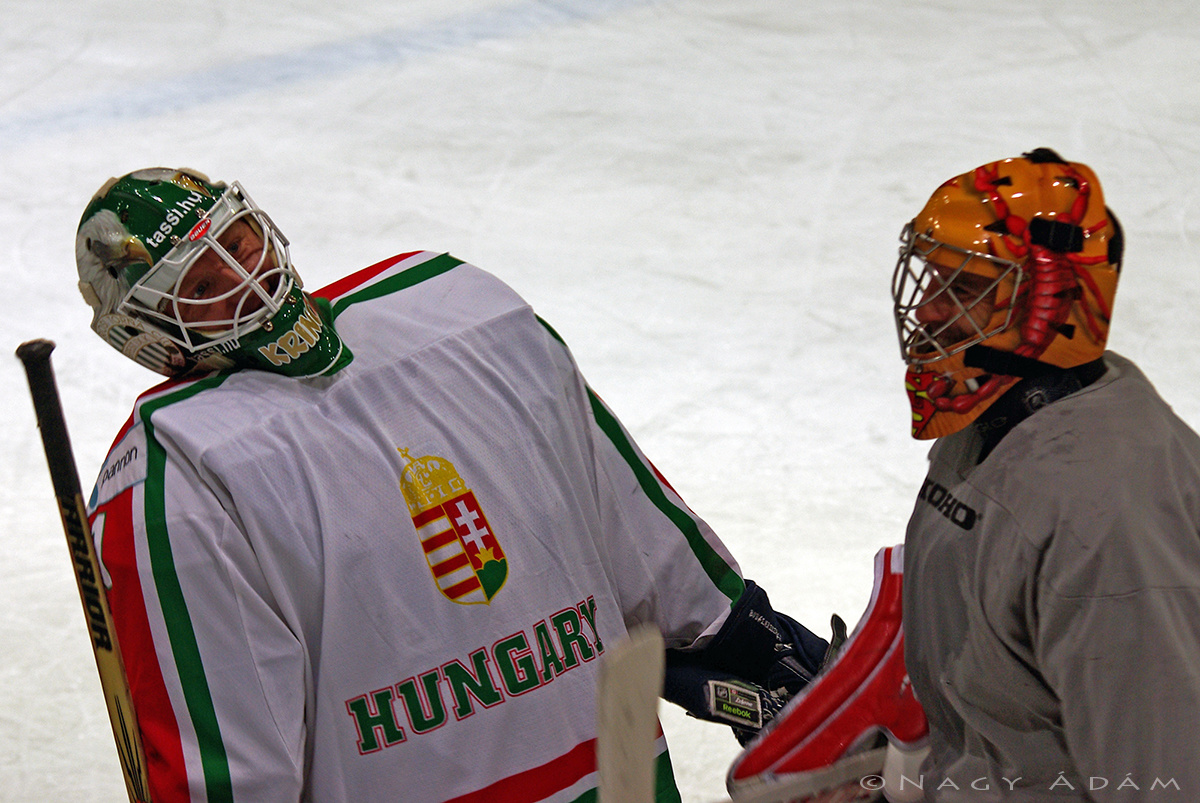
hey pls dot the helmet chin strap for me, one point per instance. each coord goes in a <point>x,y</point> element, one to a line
<point>1041,384</point>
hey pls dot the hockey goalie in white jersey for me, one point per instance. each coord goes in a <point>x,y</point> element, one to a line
<point>369,542</point>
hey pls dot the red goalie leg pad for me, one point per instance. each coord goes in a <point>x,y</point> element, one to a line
<point>829,732</point>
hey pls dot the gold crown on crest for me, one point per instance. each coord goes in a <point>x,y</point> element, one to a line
<point>428,481</point>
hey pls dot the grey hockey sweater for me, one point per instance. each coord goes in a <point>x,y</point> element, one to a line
<point>1052,603</point>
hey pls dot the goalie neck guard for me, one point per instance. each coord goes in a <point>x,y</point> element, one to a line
<point>185,275</point>
<point>1009,268</point>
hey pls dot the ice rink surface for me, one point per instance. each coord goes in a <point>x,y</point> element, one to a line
<point>702,196</point>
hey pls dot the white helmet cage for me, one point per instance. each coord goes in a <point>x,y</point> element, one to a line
<point>264,279</point>
<point>936,279</point>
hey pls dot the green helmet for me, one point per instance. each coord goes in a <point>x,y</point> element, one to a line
<point>184,274</point>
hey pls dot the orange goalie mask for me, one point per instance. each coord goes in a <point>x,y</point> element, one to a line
<point>1020,257</point>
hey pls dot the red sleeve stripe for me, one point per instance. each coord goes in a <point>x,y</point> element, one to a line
<point>165,764</point>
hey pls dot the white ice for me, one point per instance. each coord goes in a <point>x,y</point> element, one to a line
<point>703,196</point>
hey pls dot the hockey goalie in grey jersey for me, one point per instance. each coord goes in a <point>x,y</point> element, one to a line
<point>1052,561</point>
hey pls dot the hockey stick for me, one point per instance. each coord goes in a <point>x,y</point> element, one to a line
<point>631,679</point>
<point>35,355</point>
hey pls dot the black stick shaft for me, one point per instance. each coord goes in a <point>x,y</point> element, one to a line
<point>35,355</point>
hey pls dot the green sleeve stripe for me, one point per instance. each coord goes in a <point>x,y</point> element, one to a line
<point>414,275</point>
<point>721,573</point>
<point>184,647</point>
<point>550,329</point>
<point>665,791</point>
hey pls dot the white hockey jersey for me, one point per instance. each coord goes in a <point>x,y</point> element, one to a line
<point>393,584</point>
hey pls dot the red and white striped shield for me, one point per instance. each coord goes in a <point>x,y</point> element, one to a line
<point>465,558</point>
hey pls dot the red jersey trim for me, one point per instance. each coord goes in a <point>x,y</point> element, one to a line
<point>358,278</point>
<point>541,782</point>
<point>161,739</point>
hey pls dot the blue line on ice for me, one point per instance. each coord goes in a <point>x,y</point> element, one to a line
<point>394,46</point>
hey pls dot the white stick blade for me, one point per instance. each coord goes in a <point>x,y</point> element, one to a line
<point>631,678</point>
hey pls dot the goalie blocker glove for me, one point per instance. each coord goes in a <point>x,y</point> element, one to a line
<point>859,712</point>
<point>746,674</point>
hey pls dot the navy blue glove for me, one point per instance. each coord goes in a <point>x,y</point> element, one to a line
<point>757,661</point>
